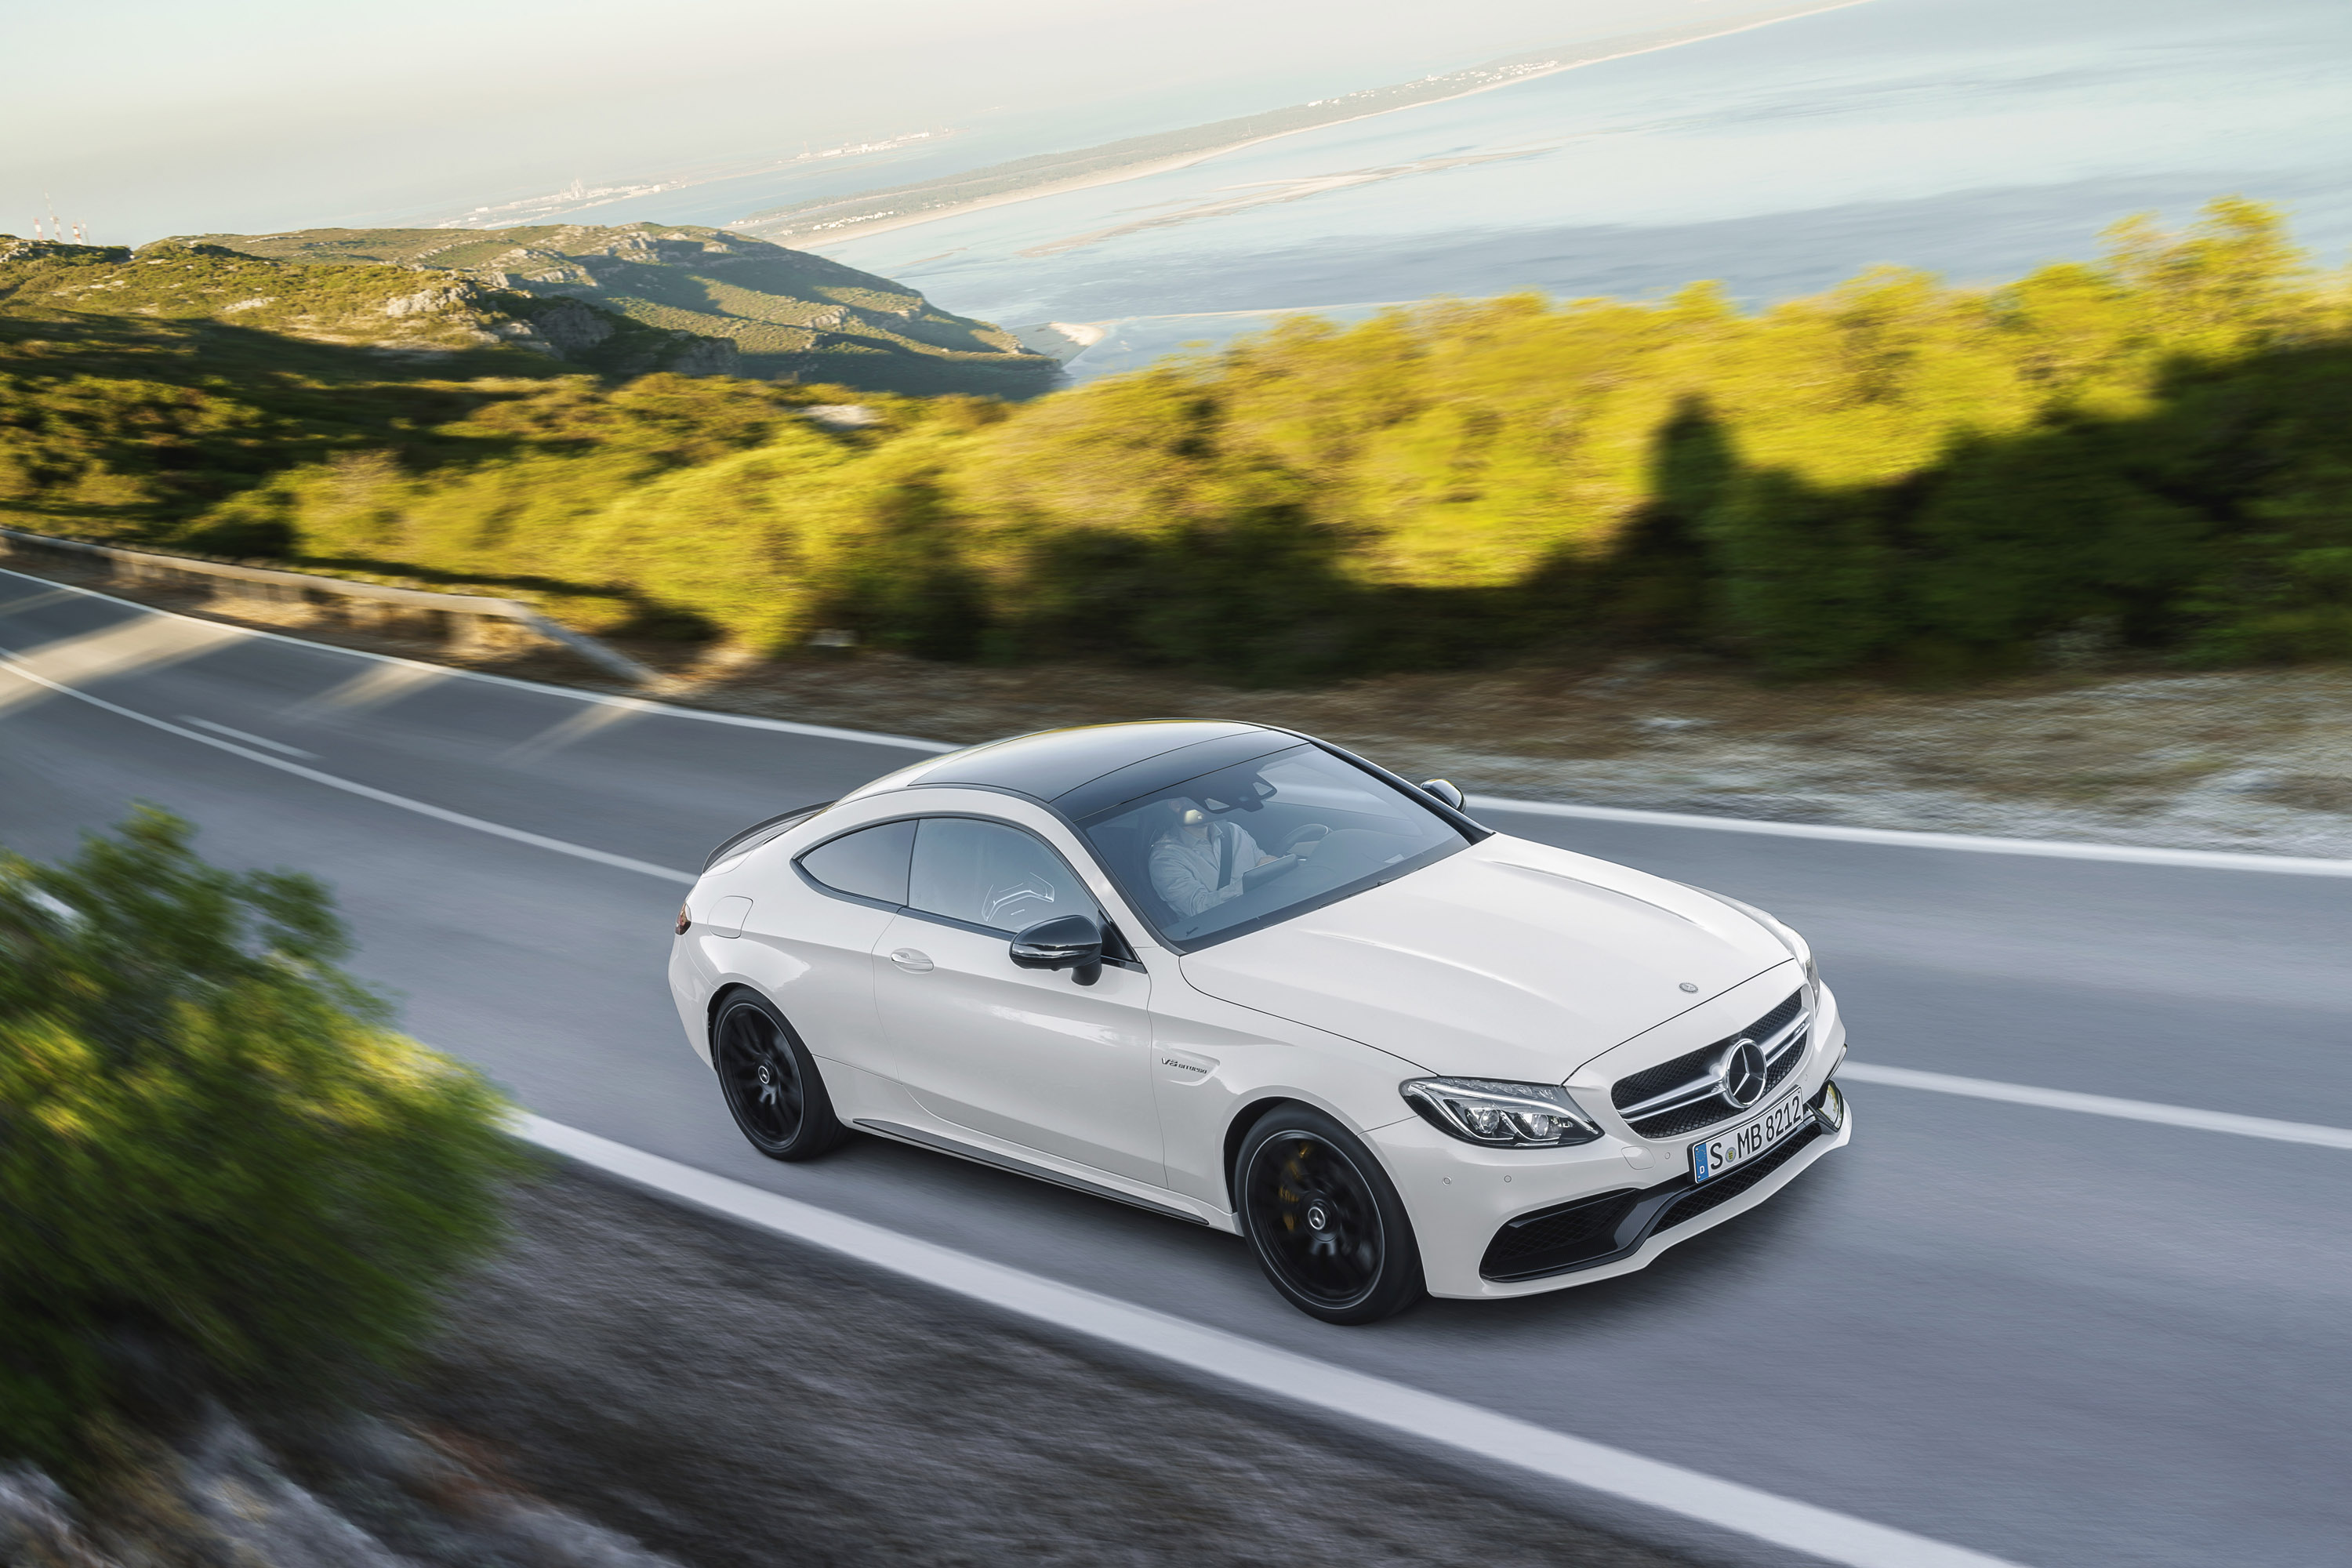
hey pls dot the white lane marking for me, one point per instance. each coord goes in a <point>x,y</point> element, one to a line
<point>645,705</point>
<point>1302,1380</point>
<point>1838,1538</point>
<point>1864,1072</point>
<point>2051,848</point>
<point>279,746</point>
<point>126,647</point>
<point>15,665</point>
<point>2102,1105</point>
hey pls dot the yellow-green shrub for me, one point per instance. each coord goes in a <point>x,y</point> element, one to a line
<point>213,1154</point>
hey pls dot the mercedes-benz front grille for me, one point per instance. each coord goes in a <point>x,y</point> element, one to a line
<point>1687,1093</point>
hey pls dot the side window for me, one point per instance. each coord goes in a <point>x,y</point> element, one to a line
<point>987,874</point>
<point>870,863</point>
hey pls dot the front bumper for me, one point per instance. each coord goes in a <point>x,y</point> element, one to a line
<point>1593,1232</point>
<point>1496,1223</point>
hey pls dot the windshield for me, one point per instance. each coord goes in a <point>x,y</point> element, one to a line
<point>1247,845</point>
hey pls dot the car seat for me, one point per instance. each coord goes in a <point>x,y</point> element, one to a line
<point>1124,847</point>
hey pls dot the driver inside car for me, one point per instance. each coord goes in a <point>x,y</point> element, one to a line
<point>1199,861</point>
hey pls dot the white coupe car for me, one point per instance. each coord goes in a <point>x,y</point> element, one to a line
<point>1237,976</point>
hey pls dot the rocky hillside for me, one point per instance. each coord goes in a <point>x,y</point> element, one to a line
<point>784,314</point>
<point>413,317</point>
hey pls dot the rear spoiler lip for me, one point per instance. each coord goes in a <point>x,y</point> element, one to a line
<point>778,822</point>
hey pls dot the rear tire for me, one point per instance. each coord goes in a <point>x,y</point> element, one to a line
<point>1324,1219</point>
<point>770,1081</point>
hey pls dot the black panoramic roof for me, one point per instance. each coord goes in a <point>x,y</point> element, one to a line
<point>1132,758</point>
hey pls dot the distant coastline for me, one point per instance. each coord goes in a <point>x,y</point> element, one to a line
<point>799,226</point>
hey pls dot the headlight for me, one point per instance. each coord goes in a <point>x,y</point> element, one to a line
<point>1500,1115</point>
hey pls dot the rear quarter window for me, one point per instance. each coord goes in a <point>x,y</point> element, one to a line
<point>870,863</point>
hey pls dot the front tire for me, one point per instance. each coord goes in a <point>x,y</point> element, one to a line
<point>770,1081</point>
<point>1324,1219</point>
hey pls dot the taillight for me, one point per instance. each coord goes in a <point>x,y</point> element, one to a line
<point>685,919</point>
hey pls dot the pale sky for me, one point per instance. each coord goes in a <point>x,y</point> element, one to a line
<point>144,118</point>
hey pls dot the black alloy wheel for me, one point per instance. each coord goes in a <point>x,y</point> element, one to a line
<point>770,1081</point>
<point>1324,1220</point>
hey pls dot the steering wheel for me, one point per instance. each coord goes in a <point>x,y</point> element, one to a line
<point>1308,833</point>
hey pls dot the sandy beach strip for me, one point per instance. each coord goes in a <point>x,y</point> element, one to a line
<point>1187,160</point>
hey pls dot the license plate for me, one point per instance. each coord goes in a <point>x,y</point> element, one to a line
<point>1711,1157</point>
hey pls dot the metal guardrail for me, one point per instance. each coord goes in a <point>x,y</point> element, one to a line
<point>146,563</point>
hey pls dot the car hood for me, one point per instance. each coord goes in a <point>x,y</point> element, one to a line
<point>1510,959</point>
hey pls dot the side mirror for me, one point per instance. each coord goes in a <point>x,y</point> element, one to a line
<point>1443,790</point>
<point>1066,942</point>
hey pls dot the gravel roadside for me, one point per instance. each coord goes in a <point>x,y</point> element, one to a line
<point>738,1402</point>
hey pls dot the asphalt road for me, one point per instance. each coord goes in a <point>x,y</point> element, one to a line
<point>2054,1337</point>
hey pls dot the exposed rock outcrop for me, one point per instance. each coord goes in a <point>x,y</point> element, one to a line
<point>37,1525</point>
<point>432,301</point>
<point>14,248</point>
<point>570,327</point>
<point>707,356</point>
<point>236,1494</point>
<point>221,1498</point>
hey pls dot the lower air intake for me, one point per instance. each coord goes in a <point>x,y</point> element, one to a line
<point>1550,1240</point>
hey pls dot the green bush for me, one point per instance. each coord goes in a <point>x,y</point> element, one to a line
<point>213,1154</point>
<point>1899,475</point>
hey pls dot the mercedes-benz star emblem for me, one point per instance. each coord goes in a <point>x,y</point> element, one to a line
<point>1741,1073</point>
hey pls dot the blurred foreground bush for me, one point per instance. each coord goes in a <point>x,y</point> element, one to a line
<point>220,1174</point>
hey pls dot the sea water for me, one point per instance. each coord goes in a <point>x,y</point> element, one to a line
<point>1975,138</point>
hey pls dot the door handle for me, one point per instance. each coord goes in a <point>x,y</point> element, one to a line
<point>913,962</point>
